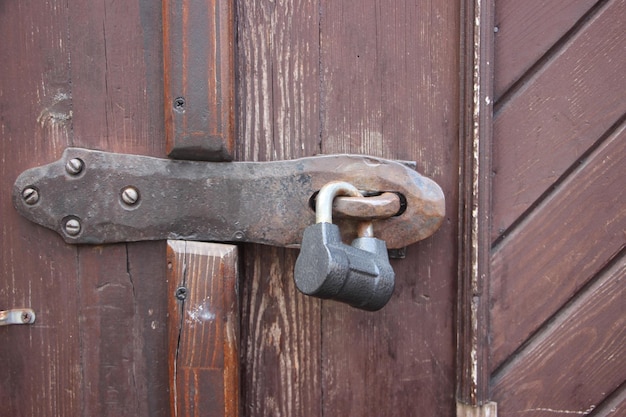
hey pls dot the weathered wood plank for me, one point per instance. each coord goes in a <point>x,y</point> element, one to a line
<point>107,333</point>
<point>117,91</point>
<point>41,367</point>
<point>278,118</point>
<point>277,67</point>
<point>526,30</point>
<point>573,363</point>
<point>199,78</point>
<point>475,136</point>
<point>281,338</point>
<point>390,88</point>
<point>150,292</point>
<point>203,329</point>
<point>555,251</point>
<point>558,114</point>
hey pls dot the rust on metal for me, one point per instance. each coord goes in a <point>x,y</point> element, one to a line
<point>381,206</point>
<point>261,202</point>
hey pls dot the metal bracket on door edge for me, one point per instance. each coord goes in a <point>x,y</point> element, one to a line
<point>98,197</point>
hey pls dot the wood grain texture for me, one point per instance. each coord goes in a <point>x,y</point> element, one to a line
<point>526,30</point>
<point>614,405</point>
<point>199,78</point>
<point>278,118</point>
<point>116,94</point>
<point>203,329</point>
<point>555,251</point>
<point>366,77</point>
<point>40,363</point>
<point>76,74</point>
<point>389,88</point>
<point>281,338</point>
<point>278,80</point>
<point>543,129</point>
<point>590,333</point>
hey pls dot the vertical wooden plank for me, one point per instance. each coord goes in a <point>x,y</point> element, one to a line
<point>281,338</point>
<point>390,88</point>
<point>203,329</point>
<point>199,78</point>
<point>117,96</point>
<point>278,96</point>
<point>41,374</point>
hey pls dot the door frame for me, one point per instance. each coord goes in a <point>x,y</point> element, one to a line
<point>475,137</point>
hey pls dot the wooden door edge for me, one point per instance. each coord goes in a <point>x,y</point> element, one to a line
<point>476,110</point>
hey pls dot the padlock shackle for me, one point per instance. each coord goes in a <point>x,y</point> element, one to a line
<point>326,196</point>
<point>324,204</point>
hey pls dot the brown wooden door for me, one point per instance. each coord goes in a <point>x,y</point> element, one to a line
<point>558,312</point>
<point>376,77</point>
<point>397,79</point>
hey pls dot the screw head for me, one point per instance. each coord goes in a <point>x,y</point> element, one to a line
<point>239,235</point>
<point>130,195</point>
<point>26,317</point>
<point>30,195</point>
<point>72,227</point>
<point>74,166</point>
<point>179,104</point>
<point>181,293</point>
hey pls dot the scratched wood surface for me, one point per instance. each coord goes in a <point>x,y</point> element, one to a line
<point>559,210</point>
<point>37,269</point>
<point>363,77</point>
<point>82,74</point>
<point>203,327</point>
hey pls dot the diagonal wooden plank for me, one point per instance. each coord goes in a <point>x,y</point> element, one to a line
<point>526,30</point>
<point>559,114</point>
<point>590,333</point>
<point>614,405</point>
<point>203,329</point>
<point>560,247</point>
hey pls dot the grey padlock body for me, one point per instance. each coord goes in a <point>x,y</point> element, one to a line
<point>357,274</point>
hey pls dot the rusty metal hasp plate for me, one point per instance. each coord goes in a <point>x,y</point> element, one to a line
<point>98,197</point>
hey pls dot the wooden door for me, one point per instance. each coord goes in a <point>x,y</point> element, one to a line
<point>408,80</point>
<point>558,264</point>
<point>375,77</point>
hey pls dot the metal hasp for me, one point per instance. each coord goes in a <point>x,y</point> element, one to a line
<point>95,197</point>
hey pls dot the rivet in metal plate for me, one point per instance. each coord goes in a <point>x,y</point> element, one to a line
<point>30,196</point>
<point>74,166</point>
<point>130,195</point>
<point>72,227</point>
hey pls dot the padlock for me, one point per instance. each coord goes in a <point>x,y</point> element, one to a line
<point>358,274</point>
